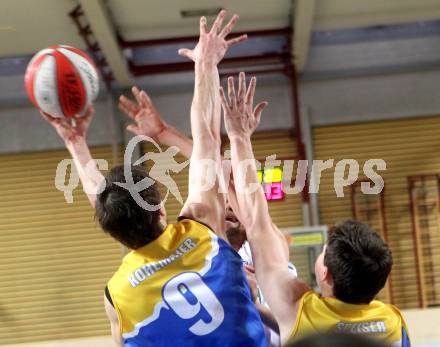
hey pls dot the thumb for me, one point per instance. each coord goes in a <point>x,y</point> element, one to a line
<point>89,113</point>
<point>185,52</point>
<point>133,129</point>
<point>49,118</point>
<point>259,109</point>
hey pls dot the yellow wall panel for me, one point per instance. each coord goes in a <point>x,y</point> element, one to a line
<point>55,260</point>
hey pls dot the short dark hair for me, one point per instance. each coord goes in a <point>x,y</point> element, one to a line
<point>358,260</point>
<point>120,215</point>
<point>336,340</point>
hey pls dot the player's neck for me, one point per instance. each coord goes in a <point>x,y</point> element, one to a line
<point>326,291</point>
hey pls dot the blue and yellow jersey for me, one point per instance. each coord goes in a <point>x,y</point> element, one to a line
<point>378,320</point>
<point>186,288</point>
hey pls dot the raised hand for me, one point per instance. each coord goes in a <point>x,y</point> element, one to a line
<point>147,118</point>
<point>241,119</point>
<point>212,44</point>
<point>71,131</point>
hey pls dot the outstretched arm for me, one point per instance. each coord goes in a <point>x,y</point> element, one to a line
<point>204,202</point>
<point>280,287</point>
<point>74,137</point>
<point>149,122</point>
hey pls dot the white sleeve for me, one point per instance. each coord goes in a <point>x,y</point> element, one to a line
<point>245,254</point>
<point>292,269</point>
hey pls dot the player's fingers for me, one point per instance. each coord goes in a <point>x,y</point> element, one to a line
<point>137,94</point>
<point>225,104</point>
<point>241,86</point>
<point>146,100</point>
<point>132,107</point>
<point>123,109</point>
<point>47,117</point>
<point>236,40</point>
<point>133,129</point>
<point>259,109</point>
<point>231,92</point>
<point>52,120</point>
<point>218,22</point>
<point>128,104</point>
<point>185,52</point>
<point>203,26</point>
<point>228,28</point>
<point>251,91</point>
<point>129,112</point>
<point>123,101</point>
<point>88,115</point>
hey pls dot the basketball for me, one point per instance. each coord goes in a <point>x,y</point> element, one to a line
<point>62,81</point>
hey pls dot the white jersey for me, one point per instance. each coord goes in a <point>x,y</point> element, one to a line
<point>246,256</point>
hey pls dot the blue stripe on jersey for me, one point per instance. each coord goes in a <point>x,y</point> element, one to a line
<point>239,324</point>
<point>405,338</point>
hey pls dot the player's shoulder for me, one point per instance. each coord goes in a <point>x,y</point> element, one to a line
<point>396,311</point>
<point>310,296</point>
<point>191,224</point>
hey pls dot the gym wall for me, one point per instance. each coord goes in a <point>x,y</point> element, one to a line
<point>55,260</point>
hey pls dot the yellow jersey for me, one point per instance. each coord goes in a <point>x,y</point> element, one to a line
<point>376,319</point>
<point>186,288</point>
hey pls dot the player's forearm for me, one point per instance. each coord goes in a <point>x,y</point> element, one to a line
<point>172,137</point>
<point>205,127</point>
<point>205,109</point>
<point>91,178</point>
<point>252,201</point>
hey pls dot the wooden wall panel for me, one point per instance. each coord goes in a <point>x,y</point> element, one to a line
<point>55,260</point>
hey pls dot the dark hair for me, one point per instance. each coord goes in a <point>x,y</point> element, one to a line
<point>336,340</point>
<point>358,260</point>
<point>120,215</point>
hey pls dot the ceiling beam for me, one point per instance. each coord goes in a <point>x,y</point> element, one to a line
<point>303,14</point>
<point>103,31</point>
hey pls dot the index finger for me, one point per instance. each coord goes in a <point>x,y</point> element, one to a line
<point>128,104</point>
<point>128,108</point>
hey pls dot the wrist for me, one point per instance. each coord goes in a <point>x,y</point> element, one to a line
<point>77,142</point>
<point>163,133</point>
<point>205,65</point>
<point>241,138</point>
